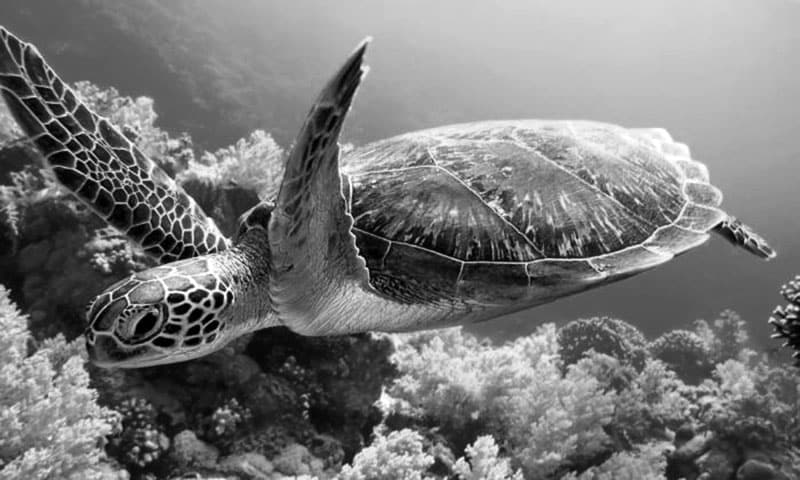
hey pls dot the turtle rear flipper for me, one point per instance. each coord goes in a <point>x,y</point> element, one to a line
<point>743,236</point>
<point>98,164</point>
<point>314,258</point>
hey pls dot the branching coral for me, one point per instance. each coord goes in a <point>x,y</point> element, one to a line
<point>50,423</point>
<point>604,335</point>
<point>140,442</point>
<point>757,406</point>
<point>685,353</point>
<point>452,381</point>
<point>601,419</point>
<point>254,163</point>
<point>227,418</point>
<point>303,379</point>
<point>20,180</point>
<point>482,462</point>
<point>646,463</point>
<point>746,415</point>
<point>646,403</point>
<point>558,421</point>
<point>609,371</point>
<point>516,391</point>
<point>233,179</point>
<point>726,337</point>
<point>786,319</point>
<point>398,455</point>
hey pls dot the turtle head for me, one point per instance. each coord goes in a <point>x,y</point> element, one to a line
<point>166,314</point>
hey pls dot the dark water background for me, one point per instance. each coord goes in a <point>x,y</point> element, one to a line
<point>720,75</point>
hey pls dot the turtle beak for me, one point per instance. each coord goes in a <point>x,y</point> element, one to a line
<point>98,356</point>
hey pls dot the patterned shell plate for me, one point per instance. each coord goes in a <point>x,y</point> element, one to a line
<point>537,194</point>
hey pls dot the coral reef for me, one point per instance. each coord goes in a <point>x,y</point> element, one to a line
<point>141,442</point>
<point>516,392</point>
<point>227,418</point>
<point>232,179</point>
<point>337,378</point>
<point>51,424</point>
<point>745,420</point>
<point>645,463</point>
<point>601,417</point>
<point>684,352</point>
<point>605,335</point>
<point>400,454</point>
<point>755,405</point>
<point>693,353</point>
<point>726,337</point>
<point>188,451</point>
<point>483,462</point>
<point>254,163</point>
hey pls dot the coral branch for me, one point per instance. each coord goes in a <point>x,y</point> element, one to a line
<point>50,423</point>
<point>786,319</point>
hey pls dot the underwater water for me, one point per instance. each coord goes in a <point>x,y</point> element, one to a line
<point>619,382</point>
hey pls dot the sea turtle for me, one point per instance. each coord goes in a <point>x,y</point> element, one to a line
<point>434,228</point>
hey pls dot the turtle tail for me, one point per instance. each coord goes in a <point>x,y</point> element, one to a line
<point>743,236</point>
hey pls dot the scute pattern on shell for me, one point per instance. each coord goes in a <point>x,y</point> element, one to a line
<point>521,191</point>
<point>443,215</point>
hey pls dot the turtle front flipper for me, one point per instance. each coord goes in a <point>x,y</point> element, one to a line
<point>314,259</point>
<point>98,164</point>
<point>743,236</point>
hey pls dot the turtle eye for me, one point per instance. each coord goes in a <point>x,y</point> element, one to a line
<point>146,324</point>
<point>140,327</point>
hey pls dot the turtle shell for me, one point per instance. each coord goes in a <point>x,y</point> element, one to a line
<point>549,203</point>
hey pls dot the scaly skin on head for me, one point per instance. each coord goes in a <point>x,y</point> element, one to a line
<point>182,310</point>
